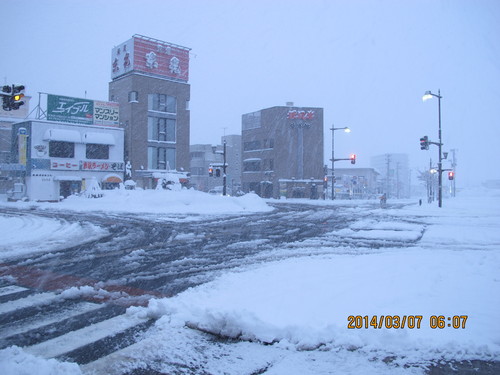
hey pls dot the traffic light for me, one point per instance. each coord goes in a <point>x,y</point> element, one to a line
<point>451,175</point>
<point>17,95</point>
<point>353,158</point>
<point>11,97</point>
<point>424,143</point>
<point>210,172</point>
<point>217,172</point>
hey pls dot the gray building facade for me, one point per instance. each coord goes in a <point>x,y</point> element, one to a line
<point>282,149</point>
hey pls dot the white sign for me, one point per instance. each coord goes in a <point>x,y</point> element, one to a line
<point>64,165</point>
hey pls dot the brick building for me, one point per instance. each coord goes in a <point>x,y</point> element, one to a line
<point>150,82</point>
<point>282,151</point>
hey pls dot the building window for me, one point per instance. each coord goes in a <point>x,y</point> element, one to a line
<point>162,103</point>
<point>94,151</point>
<point>198,171</point>
<point>251,166</point>
<point>161,158</point>
<point>269,164</point>
<point>133,97</point>
<point>161,129</point>
<point>251,145</point>
<point>59,149</point>
<point>197,155</point>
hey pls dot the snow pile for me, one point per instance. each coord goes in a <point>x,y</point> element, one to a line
<point>306,302</point>
<point>15,361</point>
<point>160,202</point>
<point>29,234</point>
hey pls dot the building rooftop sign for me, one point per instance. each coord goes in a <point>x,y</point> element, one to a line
<point>82,111</point>
<point>150,56</point>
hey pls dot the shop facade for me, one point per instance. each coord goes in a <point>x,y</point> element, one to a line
<point>60,159</point>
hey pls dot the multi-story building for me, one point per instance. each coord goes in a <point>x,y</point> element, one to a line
<point>204,156</point>
<point>282,151</point>
<point>150,82</point>
<point>59,159</point>
<point>394,172</point>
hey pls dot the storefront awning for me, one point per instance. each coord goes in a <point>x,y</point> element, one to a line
<point>113,178</point>
<point>63,135</point>
<point>99,138</point>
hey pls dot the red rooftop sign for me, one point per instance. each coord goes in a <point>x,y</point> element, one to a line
<point>151,56</point>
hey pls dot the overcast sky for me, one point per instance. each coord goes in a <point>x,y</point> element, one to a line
<point>366,62</point>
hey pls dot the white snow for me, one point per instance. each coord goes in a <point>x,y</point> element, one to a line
<point>300,303</point>
<point>305,302</point>
<point>30,234</point>
<point>168,203</point>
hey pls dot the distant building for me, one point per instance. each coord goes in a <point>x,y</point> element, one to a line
<point>7,118</point>
<point>394,172</point>
<point>282,151</point>
<point>150,82</point>
<point>355,183</point>
<point>203,156</point>
<point>58,159</point>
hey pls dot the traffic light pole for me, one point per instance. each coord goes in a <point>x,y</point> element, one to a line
<point>440,162</point>
<point>224,188</point>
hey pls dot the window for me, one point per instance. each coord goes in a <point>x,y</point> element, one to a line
<point>94,151</point>
<point>199,171</point>
<point>197,155</point>
<point>162,103</point>
<point>251,166</point>
<point>251,145</point>
<point>161,158</point>
<point>161,129</point>
<point>59,149</point>
<point>268,164</point>
<point>133,97</point>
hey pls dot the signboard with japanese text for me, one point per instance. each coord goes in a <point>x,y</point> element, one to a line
<point>66,109</point>
<point>82,111</point>
<point>106,113</point>
<point>151,56</point>
<point>103,166</point>
<point>64,165</point>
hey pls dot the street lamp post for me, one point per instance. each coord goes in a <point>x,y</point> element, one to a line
<point>347,130</point>
<point>429,95</point>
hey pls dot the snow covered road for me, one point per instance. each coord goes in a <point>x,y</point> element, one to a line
<point>273,293</point>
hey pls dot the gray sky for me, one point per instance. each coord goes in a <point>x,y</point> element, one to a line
<point>366,62</point>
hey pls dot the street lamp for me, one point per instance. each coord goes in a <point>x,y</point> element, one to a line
<point>429,95</point>
<point>347,130</point>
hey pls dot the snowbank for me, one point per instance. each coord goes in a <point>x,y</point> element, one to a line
<point>166,202</point>
<point>306,302</point>
<point>15,361</point>
<point>30,234</point>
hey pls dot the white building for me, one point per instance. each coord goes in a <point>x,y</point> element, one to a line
<point>61,159</point>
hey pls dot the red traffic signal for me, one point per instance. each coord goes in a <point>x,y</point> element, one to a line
<point>451,175</point>
<point>210,172</point>
<point>353,158</point>
<point>424,143</point>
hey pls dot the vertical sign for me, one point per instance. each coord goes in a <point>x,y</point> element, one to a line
<point>22,145</point>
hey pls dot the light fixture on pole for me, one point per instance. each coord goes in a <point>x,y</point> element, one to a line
<point>429,95</point>
<point>347,130</point>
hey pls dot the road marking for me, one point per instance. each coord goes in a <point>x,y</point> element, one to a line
<point>33,300</point>
<point>76,310</point>
<point>88,335</point>
<point>11,290</point>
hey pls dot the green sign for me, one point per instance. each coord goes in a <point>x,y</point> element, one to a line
<point>66,109</point>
